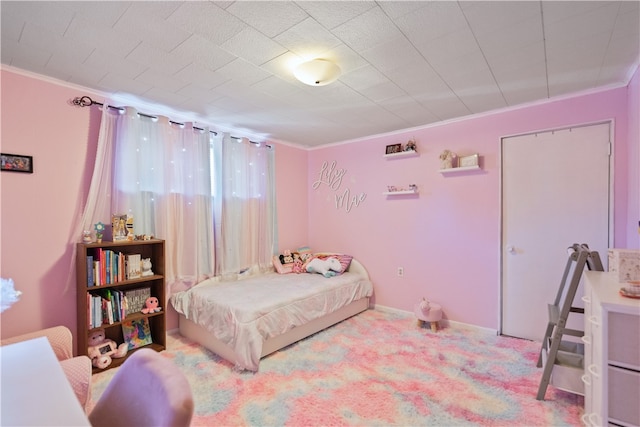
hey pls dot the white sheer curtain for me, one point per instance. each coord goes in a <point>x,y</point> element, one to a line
<point>212,198</point>
<point>163,179</point>
<point>98,204</point>
<point>245,206</point>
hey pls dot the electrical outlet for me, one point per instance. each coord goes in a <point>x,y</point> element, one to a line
<point>400,272</point>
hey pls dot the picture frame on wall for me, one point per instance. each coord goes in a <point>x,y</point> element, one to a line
<point>393,148</point>
<point>468,161</point>
<point>16,163</point>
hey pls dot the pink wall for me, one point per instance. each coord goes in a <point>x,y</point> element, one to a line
<point>38,209</point>
<point>447,239</point>
<point>633,222</point>
<point>291,193</point>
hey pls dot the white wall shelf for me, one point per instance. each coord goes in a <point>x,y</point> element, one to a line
<point>452,171</point>
<point>399,193</point>
<point>409,153</point>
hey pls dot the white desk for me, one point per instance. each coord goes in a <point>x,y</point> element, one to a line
<point>34,390</point>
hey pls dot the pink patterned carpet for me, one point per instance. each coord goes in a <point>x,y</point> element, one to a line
<point>376,369</point>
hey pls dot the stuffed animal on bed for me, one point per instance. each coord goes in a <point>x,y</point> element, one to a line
<point>327,267</point>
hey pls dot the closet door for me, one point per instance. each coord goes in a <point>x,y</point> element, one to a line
<point>555,192</point>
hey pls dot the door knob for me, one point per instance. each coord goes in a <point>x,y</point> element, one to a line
<point>511,249</point>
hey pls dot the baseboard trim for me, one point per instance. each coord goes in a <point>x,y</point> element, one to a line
<point>443,322</point>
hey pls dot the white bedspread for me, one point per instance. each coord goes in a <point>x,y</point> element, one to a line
<point>244,313</point>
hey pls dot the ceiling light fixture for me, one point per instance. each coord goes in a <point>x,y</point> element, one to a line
<point>317,72</point>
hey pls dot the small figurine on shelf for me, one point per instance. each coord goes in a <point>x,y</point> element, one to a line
<point>447,159</point>
<point>99,227</point>
<point>86,236</point>
<point>118,228</point>
<point>413,187</point>
<point>146,267</point>
<point>411,145</point>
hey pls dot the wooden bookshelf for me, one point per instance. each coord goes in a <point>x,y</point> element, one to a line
<point>153,249</point>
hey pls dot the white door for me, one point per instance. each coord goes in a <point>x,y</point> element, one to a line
<point>555,192</point>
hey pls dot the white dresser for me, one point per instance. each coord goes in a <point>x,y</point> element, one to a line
<point>612,353</point>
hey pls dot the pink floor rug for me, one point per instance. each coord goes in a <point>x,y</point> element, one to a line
<point>376,369</point>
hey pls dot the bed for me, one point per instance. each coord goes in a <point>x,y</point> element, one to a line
<point>245,320</point>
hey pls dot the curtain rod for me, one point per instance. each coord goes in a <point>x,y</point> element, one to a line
<point>86,101</point>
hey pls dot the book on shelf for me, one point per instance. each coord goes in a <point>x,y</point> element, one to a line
<point>137,332</point>
<point>90,281</point>
<point>110,267</point>
<point>133,263</point>
<point>96,316</point>
<point>106,308</point>
<point>135,299</point>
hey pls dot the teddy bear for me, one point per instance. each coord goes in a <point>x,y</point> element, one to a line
<point>101,349</point>
<point>327,267</point>
<point>146,267</point>
<point>151,306</point>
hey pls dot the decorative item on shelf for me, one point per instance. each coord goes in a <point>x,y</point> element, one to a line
<point>393,190</point>
<point>86,236</point>
<point>146,267</point>
<point>118,227</point>
<point>447,157</point>
<point>151,306</point>
<point>99,227</point>
<point>411,145</point>
<point>129,226</point>
<point>468,161</point>
<point>393,148</point>
<point>143,237</point>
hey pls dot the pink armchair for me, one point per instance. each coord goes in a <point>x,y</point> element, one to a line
<point>77,369</point>
<point>148,390</point>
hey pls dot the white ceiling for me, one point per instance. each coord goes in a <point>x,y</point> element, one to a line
<point>404,63</point>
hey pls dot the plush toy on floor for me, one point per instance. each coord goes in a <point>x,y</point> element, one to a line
<point>427,311</point>
<point>327,267</point>
<point>151,306</point>
<point>102,349</point>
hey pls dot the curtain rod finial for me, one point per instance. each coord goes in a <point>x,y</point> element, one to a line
<point>83,101</point>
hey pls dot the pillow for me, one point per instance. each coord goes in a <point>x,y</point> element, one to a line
<point>304,253</point>
<point>345,260</point>
<point>280,268</point>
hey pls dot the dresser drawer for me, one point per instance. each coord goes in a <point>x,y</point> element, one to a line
<point>624,339</point>
<point>624,387</point>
